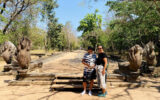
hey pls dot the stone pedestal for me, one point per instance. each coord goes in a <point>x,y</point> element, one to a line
<point>129,74</point>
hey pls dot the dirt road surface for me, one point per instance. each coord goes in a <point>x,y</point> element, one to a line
<point>70,62</point>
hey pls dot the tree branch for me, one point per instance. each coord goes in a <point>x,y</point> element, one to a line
<point>4,6</point>
<point>17,12</point>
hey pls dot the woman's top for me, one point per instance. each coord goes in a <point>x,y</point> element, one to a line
<point>100,58</point>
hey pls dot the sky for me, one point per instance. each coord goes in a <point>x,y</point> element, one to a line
<point>75,10</point>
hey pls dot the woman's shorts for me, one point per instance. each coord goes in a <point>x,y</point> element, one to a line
<point>89,75</point>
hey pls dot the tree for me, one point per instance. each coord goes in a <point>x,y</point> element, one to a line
<point>12,9</point>
<point>90,22</point>
<point>18,18</point>
<point>54,29</point>
<point>88,25</point>
<point>136,22</point>
<point>69,40</point>
<point>37,36</point>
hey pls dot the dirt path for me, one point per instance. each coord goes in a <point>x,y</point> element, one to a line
<point>71,63</point>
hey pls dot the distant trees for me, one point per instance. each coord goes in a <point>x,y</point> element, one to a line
<point>18,18</point>
<point>54,28</point>
<point>135,22</point>
<point>69,39</point>
<point>91,30</point>
<point>90,22</point>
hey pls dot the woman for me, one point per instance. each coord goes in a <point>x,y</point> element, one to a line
<point>89,70</point>
<point>101,64</point>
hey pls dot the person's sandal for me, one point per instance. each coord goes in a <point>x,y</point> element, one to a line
<point>106,93</point>
<point>102,95</point>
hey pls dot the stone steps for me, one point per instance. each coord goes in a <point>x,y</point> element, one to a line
<point>68,81</point>
<point>53,81</point>
<point>58,79</point>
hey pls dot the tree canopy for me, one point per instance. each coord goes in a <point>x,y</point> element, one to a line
<point>136,22</point>
<point>90,27</point>
<point>90,22</point>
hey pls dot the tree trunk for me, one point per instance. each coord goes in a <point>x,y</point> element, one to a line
<point>6,27</point>
<point>15,14</point>
<point>4,6</point>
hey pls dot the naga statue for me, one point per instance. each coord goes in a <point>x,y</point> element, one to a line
<point>150,54</point>
<point>8,51</point>
<point>130,68</point>
<point>21,63</point>
<point>23,53</point>
<point>134,60</point>
<point>148,66</point>
<point>150,58</point>
<point>135,57</point>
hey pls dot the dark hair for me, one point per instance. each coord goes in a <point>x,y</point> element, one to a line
<point>90,48</point>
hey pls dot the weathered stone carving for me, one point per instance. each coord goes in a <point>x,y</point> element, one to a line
<point>22,63</point>
<point>7,51</point>
<point>135,57</point>
<point>150,62</point>
<point>135,60</point>
<point>158,56</point>
<point>35,66</point>
<point>130,67</point>
<point>150,54</point>
<point>23,55</point>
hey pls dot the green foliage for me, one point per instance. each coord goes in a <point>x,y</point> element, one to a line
<point>95,38</point>
<point>91,27</point>
<point>3,38</point>
<point>37,37</point>
<point>54,28</point>
<point>22,28</point>
<point>3,19</point>
<point>103,38</point>
<point>54,36</point>
<point>23,23</point>
<point>90,22</point>
<point>69,40</point>
<point>19,29</point>
<point>136,22</point>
